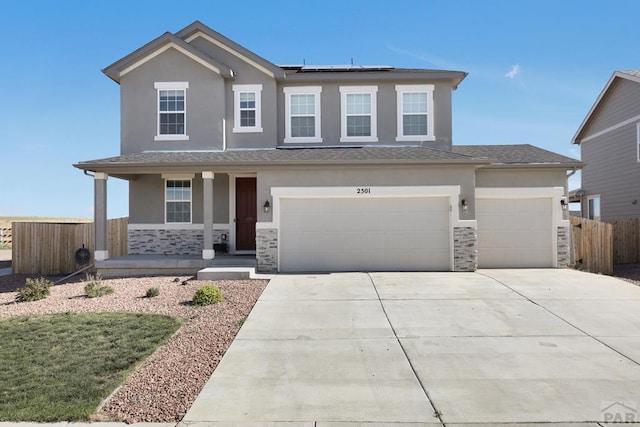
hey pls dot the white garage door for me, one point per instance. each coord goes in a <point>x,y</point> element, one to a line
<point>372,234</point>
<point>514,233</point>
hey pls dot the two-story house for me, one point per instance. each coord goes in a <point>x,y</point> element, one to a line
<point>609,139</point>
<point>318,168</point>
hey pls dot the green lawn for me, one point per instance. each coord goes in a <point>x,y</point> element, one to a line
<point>61,366</point>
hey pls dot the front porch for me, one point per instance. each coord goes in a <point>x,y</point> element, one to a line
<point>222,267</point>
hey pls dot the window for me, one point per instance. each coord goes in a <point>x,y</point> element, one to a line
<point>178,201</point>
<point>172,99</point>
<point>359,121</point>
<point>415,113</point>
<point>302,109</point>
<point>247,110</point>
<point>638,140</point>
<point>593,207</point>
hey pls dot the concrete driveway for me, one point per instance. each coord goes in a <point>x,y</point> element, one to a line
<point>454,349</point>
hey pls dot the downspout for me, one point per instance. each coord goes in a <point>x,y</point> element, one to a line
<point>86,172</point>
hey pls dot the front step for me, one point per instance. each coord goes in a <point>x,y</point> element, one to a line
<point>230,273</point>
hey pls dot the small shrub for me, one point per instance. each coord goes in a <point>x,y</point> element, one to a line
<point>207,295</point>
<point>152,292</point>
<point>34,290</point>
<point>94,287</point>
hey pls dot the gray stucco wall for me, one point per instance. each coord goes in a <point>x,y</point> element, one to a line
<point>386,112</point>
<point>371,176</point>
<point>146,199</point>
<point>205,105</point>
<point>613,172</point>
<point>521,177</point>
<point>245,73</point>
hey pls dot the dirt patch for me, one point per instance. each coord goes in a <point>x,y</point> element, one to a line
<point>628,272</point>
<point>163,388</point>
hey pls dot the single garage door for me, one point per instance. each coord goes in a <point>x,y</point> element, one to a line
<point>514,233</point>
<point>369,234</point>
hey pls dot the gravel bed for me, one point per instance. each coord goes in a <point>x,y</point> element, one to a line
<point>165,385</point>
<point>628,272</point>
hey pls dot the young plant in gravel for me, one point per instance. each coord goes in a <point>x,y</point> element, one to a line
<point>34,290</point>
<point>152,292</point>
<point>207,295</point>
<point>94,287</point>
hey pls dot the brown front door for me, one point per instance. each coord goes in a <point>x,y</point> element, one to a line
<point>246,214</point>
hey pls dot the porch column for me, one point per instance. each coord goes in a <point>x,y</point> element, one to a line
<point>100,216</point>
<point>207,217</point>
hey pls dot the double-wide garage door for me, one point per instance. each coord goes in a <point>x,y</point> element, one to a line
<point>368,234</point>
<point>515,232</point>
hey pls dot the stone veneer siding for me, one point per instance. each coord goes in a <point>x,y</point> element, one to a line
<point>564,257</point>
<point>267,250</point>
<point>169,242</point>
<point>465,249</point>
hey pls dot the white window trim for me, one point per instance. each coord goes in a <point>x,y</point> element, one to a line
<point>237,90</point>
<point>401,90</point>
<point>589,198</point>
<point>638,140</point>
<point>189,178</point>
<point>347,90</point>
<point>170,86</point>
<point>298,90</point>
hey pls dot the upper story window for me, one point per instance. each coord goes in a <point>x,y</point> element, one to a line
<point>172,111</point>
<point>247,108</point>
<point>359,113</point>
<point>178,201</point>
<point>302,111</point>
<point>415,113</point>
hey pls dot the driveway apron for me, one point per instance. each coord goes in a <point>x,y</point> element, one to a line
<point>315,348</point>
<point>491,347</point>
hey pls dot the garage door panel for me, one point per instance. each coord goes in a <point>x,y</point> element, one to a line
<point>364,234</point>
<point>515,233</point>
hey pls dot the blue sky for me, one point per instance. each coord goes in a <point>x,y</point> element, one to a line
<point>535,68</point>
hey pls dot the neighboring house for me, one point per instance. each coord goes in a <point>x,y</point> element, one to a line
<point>318,168</point>
<point>609,139</point>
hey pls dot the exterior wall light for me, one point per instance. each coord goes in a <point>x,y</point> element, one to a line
<point>464,204</point>
<point>267,206</point>
<point>564,204</point>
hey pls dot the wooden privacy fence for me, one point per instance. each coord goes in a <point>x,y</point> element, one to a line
<point>5,235</point>
<point>50,248</point>
<point>626,241</point>
<point>592,245</point>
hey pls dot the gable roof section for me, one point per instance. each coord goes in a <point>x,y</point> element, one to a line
<point>632,75</point>
<point>517,154</point>
<point>154,48</point>
<point>198,29</point>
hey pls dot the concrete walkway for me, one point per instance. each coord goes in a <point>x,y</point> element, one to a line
<point>507,347</point>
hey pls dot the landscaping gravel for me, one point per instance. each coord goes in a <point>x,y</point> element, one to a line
<point>164,386</point>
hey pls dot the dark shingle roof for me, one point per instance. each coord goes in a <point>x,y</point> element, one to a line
<point>470,154</point>
<point>515,154</point>
<point>362,155</point>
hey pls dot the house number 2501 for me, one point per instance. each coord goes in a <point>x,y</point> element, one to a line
<point>363,190</point>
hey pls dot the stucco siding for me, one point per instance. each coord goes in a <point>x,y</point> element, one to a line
<point>621,103</point>
<point>519,177</point>
<point>205,106</point>
<point>371,176</point>
<point>386,101</point>
<point>146,200</point>
<point>613,172</point>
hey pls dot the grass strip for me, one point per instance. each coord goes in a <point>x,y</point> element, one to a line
<point>60,367</point>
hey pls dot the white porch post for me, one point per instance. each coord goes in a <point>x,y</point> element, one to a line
<point>100,216</point>
<point>207,203</point>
